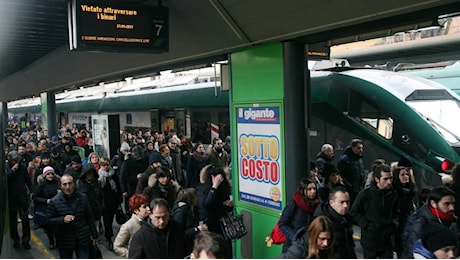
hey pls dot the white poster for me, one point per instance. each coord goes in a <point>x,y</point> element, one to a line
<point>259,156</point>
<point>100,125</point>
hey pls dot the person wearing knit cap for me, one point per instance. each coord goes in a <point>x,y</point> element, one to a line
<point>47,170</point>
<point>48,186</point>
<point>124,147</point>
<point>438,242</point>
<point>155,162</point>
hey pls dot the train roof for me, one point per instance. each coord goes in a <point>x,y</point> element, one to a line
<point>405,87</point>
<point>198,79</point>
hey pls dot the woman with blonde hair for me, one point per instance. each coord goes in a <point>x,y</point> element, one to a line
<point>316,241</point>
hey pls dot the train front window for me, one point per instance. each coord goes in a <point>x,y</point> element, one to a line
<point>443,114</point>
<point>370,116</point>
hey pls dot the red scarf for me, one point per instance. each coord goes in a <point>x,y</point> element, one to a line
<point>304,204</point>
<point>440,214</point>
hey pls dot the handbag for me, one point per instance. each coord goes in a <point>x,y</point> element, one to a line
<point>94,252</point>
<point>232,226</point>
<point>40,214</point>
<point>120,216</point>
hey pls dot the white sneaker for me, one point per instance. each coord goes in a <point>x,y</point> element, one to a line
<point>30,216</point>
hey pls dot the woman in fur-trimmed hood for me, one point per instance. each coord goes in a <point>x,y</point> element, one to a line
<point>160,185</point>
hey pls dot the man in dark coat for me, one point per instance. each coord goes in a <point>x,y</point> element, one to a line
<point>18,201</point>
<point>439,209</point>
<point>325,156</point>
<point>336,209</point>
<point>159,237</point>
<point>71,214</point>
<point>351,166</point>
<point>376,212</point>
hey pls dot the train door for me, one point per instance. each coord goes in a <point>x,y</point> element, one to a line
<point>167,120</point>
<point>154,122</point>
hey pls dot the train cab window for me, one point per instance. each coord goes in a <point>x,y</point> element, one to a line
<point>370,115</point>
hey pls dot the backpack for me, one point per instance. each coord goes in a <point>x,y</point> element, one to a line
<point>276,237</point>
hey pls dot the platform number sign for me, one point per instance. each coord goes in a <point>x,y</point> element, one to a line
<point>116,26</point>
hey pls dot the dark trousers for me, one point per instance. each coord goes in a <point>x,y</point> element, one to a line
<point>82,252</point>
<point>372,254</point>
<point>16,208</point>
<point>107,218</point>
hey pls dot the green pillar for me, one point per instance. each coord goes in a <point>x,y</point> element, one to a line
<point>269,137</point>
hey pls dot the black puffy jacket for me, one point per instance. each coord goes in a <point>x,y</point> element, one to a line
<point>80,229</point>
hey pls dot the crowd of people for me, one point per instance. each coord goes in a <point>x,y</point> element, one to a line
<point>175,193</point>
<point>396,218</point>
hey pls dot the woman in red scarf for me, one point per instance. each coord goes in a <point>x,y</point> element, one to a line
<point>298,212</point>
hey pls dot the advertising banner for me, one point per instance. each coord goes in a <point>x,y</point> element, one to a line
<point>259,155</point>
<point>100,133</point>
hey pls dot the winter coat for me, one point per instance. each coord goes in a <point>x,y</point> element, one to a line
<point>128,174</point>
<point>153,243</point>
<point>343,226</point>
<point>187,219</point>
<point>376,212</point>
<point>92,190</point>
<point>221,159</point>
<point>77,231</point>
<point>18,183</point>
<point>299,247</point>
<point>155,190</point>
<point>321,159</point>
<point>416,229</point>
<point>125,234</point>
<point>351,167</point>
<point>177,164</point>
<point>46,189</point>
<point>111,196</point>
<point>298,213</point>
<point>142,183</point>
<point>194,165</point>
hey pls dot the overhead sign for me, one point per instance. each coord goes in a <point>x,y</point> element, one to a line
<point>117,27</point>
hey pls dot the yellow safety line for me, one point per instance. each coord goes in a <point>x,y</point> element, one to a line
<point>40,246</point>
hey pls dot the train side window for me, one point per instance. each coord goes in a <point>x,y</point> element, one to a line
<point>370,115</point>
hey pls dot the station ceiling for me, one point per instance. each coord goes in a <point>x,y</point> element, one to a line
<point>35,57</point>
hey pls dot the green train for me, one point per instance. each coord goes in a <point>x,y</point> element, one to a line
<point>388,110</point>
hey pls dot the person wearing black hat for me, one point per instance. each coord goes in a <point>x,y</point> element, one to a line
<point>154,162</point>
<point>332,179</point>
<point>438,242</point>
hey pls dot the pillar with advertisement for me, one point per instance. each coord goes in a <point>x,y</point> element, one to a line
<point>269,140</point>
